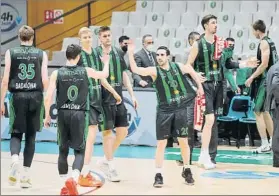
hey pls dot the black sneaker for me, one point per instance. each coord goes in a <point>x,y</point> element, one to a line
<point>158,181</point>
<point>187,175</point>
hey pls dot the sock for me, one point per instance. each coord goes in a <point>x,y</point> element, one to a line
<point>75,175</point>
<point>105,159</point>
<point>270,140</point>
<point>186,166</point>
<point>15,158</point>
<point>264,142</point>
<point>205,151</point>
<point>158,170</point>
<point>85,170</point>
<point>63,178</point>
<point>26,172</point>
<point>111,165</point>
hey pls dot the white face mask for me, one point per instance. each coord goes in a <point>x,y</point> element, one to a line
<point>150,48</point>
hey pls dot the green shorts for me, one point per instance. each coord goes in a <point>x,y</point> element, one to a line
<point>258,94</point>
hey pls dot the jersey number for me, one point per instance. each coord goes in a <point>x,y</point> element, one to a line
<point>27,72</point>
<point>72,93</point>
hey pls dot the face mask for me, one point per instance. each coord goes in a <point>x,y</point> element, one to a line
<point>124,48</point>
<point>232,47</point>
<point>150,47</point>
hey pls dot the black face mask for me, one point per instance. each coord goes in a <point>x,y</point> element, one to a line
<point>232,47</point>
<point>124,48</point>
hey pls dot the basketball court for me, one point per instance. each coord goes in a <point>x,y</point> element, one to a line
<point>238,172</point>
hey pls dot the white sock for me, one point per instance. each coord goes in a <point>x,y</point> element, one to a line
<point>186,166</point>
<point>85,170</point>
<point>25,173</point>
<point>205,151</point>
<point>264,142</point>
<point>75,174</point>
<point>105,159</point>
<point>63,178</point>
<point>111,165</point>
<point>270,140</point>
<point>158,170</point>
<point>15,158</point>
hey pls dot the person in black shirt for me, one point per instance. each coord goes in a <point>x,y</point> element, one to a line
<point>26,78</point>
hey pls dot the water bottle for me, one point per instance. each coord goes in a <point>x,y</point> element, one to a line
<point>247,142</point>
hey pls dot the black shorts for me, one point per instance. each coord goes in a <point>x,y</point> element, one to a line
<point>114,116</point>
<point>95,115</point>
<point>174,124</point>
<point>213,97</point>
<point>26,112</point>
<point>72,128</point>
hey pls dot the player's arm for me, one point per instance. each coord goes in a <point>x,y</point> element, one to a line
<point>193,54</point>
<point>265,51</point>
<point>148,71</point>
<point>44,71</point>
<point>107,86</point>
<point>5,80</point>
<point>188,69</point>
<point>49,96</point>
<point>92,73</point>
<point>127,84</point>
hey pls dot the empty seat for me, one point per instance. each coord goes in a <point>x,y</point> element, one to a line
<point>266,6</point>
<point>182,32</point>
<point>243,19</point>
<point>199,29</point>
<point>275,20</point>
<point>132,32</point>
<point>181,57</point>
<point>161,6</point>
<point>161,42</point>
<point>213,6</point>
<point>250,47</point>
<point>178,6</point>
<point>144,6</point>
<point>238,47</point>
<point>177,46</point>
<point>189,20</point>
<point>172,19</point>
<point>116,31</point>
<point>265,16</point>
<point>248,6</point>
<point>195,6</point>
<point>154,19</point>
<point>69,40</point>
<point>166,32</point>
<point>149,30</point>
<point>137,19</point>
<point>225,19</point>
<point>119,18</point>
<point>223,32</point>
<point>231,6</point>
<point>58,58</point>
<point>239,33</point>
<point>138,44</point>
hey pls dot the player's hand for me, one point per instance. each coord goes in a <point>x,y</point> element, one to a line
<point>118,98</point>
<point>2,109</point>
<point>248,82</point>
<point>200,91</point>
<point>238,91</point>
<point>131,46</point>
<point>105,58</point>
<point>143,83</point>
<point>202,78</point>
<point>135,102</point>
<point>252,62</point>
<point>47,121</point>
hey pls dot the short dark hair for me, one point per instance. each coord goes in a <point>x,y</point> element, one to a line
<point>122,38</point>
<point>73,51</point>
<point>259,25</point>
<point>103,29</point>
<point>145,36</point>
<point>192,35</point>
<point>230,39</point>
<point>206,19</point>
<point>26,33</point>
<point>164,48</point>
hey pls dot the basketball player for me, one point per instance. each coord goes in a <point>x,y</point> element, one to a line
<point>115,116</point>
<point>267,55</point>
<point>89,59</point>
<point>72,85</point>
<point>26,78</point>
<point>202,58</point>
<point>174,93</point>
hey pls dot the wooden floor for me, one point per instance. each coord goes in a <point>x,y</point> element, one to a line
<point>137,178</point>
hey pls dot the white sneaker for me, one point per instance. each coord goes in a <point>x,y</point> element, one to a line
<point>113,176</point>
<point>14,171</point>
<point>205,162</point>
<point>263,149</point>
<point>25,182</point>
<point>104,167</point>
